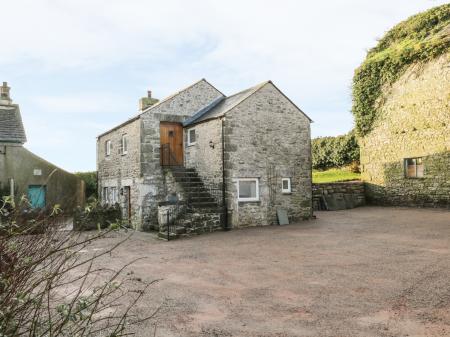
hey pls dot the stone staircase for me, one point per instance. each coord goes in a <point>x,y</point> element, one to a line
<point>200,211</point>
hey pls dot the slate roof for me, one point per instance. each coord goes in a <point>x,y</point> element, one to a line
<point>11,126</point>
<point>220,107</point>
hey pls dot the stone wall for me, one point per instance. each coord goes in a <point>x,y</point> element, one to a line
<point>119,170</point>
<point>175,109</point>
<point>268,138</point>
<point>206,154</point>
<point>339,195</point>
<point>141,169</point>
<point>414,122</point>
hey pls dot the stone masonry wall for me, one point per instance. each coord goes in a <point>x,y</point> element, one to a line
<point>206,154</point>
<point>414,122</point>
<point>175,109</point>
<point>268,138</point>
<point>119,170</point>
<point>339,195</point>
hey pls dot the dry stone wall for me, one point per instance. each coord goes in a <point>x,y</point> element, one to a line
<point>414,122</point>
<point>339,195</point>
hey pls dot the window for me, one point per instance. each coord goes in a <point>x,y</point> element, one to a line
<point>108,147</point>
<point>105,195</point>
<point>191,137</point>
<point>113,195</point>
<point>124,145</point>
<point>248,189</point>
<point>286,185</point>
<point>413,167</point>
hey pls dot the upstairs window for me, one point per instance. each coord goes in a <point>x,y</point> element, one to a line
<point>192,137</point>
<point>124,145</point>
<point>413,167</point>
<point>248,189</point>
<point>286,185</point>
<point>108,147</point>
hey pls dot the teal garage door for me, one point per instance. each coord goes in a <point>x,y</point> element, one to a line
<point>36,196</point>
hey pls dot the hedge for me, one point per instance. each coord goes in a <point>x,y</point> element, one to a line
<point>328,152</point>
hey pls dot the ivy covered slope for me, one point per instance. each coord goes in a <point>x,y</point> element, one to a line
<point>421,38</point>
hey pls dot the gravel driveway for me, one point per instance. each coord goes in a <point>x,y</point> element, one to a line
<point>369,271</point>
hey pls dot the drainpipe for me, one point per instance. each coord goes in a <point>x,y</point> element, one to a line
<point>223,178</point>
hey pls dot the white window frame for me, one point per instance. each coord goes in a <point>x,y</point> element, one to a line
<point>108,148</point>
<point>257,189</point>
<point>113,195</point>
<point>105,195</point>
<point>189,142</point>
<point>124,144</point>
<point>287,190</point>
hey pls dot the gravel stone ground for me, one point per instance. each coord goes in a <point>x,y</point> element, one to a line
<point>369,271</point>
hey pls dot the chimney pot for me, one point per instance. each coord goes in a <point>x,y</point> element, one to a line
<point>4,93</point>
<point>149,93</point>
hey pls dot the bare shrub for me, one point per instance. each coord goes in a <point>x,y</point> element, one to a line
<point>50,284</point>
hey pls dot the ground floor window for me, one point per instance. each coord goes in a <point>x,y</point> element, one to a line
<point>105,195</point>
<point>413,167</point>
<point>248,189</point>
<point>110,195</point>
<point>286,185</point>
<point>114,196</point>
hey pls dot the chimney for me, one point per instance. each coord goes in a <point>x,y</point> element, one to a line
<point>146,102</point>
<point>4,94</point>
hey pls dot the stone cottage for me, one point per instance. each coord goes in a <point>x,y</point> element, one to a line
<point>229,161</point>
<point>22,173</point>
<point>405,158</point>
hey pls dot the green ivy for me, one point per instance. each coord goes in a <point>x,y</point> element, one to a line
<point>421,38</point>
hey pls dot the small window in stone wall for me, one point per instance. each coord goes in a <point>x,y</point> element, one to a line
<point>192,137</point>
<point>105,196</point>
<point>286,185</point>
<point>123,146</point>
<point>108,147</point>
<point>414,167</point>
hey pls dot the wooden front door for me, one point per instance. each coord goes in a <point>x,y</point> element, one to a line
<point>171,137</point>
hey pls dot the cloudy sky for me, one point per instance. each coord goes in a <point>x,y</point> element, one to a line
<point>78,67</point>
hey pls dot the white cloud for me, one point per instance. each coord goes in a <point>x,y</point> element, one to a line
<point>309,48</point>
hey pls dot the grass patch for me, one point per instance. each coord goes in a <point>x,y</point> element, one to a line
<point>334,175</point>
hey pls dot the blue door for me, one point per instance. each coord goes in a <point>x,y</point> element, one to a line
<point>36,196</point>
